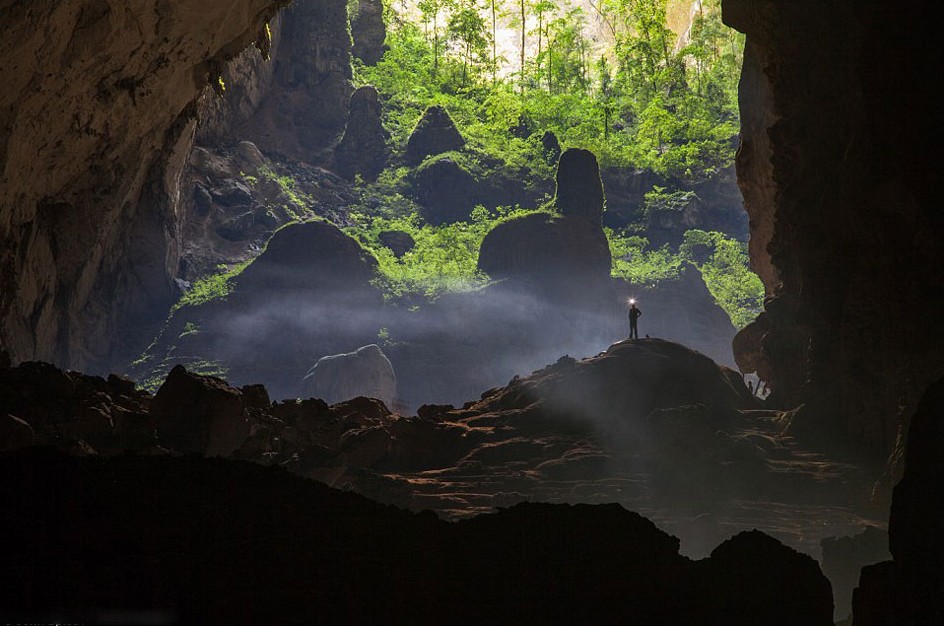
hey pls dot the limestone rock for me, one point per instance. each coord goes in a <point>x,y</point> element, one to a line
<point>501,567</point>
<point>97,117</point>
<point>843,559</point>
<point>558,254</point>
<point>808,100</point>
<point>365,372</point>
<point>445,189</point>
<point>908,589</point>
<point>579,188</point>
<point>202,414</point>
<point>363,149</point>
<point>400,242</point>
<point>368,31</point>
<point>310,255</point>
<point>434,133</point>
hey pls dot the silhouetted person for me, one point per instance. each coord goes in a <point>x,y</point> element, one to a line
<point>634,314</point>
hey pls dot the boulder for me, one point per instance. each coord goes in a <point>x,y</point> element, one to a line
<point>309,255</point>
<point>250,155</point>
<point>232,193</point>
<point>400,242</point>
<point>365,372</point>
<point>579,188</point>
<point>434,133</point>
<point>445,189</point>
<point>202,414</point>
<point>363,149</point>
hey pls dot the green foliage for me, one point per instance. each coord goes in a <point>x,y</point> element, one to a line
<point>635,262</point>
<point>645,102</point>
<point>444,259</point>
<point>216,286</point>
<point>724,265</point>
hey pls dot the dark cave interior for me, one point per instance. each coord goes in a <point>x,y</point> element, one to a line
<point>509,456</point>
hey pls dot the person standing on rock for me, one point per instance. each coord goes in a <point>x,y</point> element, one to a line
<point>634,315</point>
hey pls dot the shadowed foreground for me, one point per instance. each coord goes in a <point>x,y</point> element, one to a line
<point>194,540</point>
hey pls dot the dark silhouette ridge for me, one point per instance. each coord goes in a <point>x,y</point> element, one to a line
<point>196,540</point>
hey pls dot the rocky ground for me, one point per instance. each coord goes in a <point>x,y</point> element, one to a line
<point>648,424</point>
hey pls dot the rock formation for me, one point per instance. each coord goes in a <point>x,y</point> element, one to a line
<point>363,149</point>
<point>307,294</point>
<point>400,242</point>
<point>908,589</point>
<point>445,189</point>
<point>579,188</point>
<point>566,255</point>
<point>199,414</point>
<point>844,557</point>
<point>435,133</point>
<point>836,165</point>
<point>97,114</point>
<point>365,372</point>
<point>309,256</point>
<point>368,31</point>
<point>647,423</point>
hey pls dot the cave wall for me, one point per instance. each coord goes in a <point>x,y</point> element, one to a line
<point>839,167</point>
<point>96,121</point>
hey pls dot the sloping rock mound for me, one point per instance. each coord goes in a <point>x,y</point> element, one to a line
<point>761,567</point>
<point>629,381</point>
<point>190,539</point>
<point>683,310</point>
<point>310,255</point>
<point>365,372</point>
<point>579,188</point>
<point>363,149</point>
<point>908,589</point>
<point>435,133</point>
<point>558,255</point>
<point>306,295</point>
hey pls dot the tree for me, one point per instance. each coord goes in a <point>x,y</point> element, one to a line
<point>430,9</point>
<point>467,27</point>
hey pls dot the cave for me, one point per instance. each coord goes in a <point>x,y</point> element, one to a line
<point>174,450</point>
